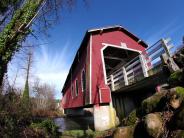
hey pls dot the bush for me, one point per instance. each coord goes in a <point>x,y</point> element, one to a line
<point>48,126</point>
<point>14,116</point>
<point>176,78</point>
<point>131,119</point>
<point>45,113</point>
<point>8,125</point>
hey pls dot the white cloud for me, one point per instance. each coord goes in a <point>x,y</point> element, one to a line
<point>50,66</point>
<point>166,31</point>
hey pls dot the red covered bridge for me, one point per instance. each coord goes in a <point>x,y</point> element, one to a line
<point>109,60</point>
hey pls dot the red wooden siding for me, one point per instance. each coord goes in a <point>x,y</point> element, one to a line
<point>99,92</point>
<point>79,100</point>
<point>115,38</point>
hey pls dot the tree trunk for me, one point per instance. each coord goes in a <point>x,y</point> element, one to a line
<point>3,70</point>
<point>16,31</point>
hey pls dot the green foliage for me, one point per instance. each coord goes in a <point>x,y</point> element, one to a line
<point>181,134</point>
<point>74,133</point>
<point>131,119</point>
<point>6,4</point>
<point>15,32</point>
<point>152,104</point>
<point>180,91</point>
<point>48,125</point>
<point>85,133</point>
<point>8,125</point>
<point>13,117</point>
<point>176,78</point>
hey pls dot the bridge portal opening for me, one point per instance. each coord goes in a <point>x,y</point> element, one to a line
<point>118,63</point>
<point>114,60</point>
<point>115,57</point>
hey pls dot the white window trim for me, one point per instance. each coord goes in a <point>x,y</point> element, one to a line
<point>76,87</point>
<point>82,79</point>
<point>72,91</point>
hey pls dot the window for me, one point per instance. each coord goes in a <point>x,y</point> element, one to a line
<point>72,92</point>
<point>83,81</point>
<point>76,87</point>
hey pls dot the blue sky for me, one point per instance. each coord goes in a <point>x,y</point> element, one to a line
<point>148,19</point>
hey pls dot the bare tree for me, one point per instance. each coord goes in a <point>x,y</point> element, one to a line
<point>43,95</point>
<point>19,26</point>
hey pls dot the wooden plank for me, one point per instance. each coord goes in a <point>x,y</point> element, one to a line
<point>118,78</point>
<point>117,74</point>
<point>132,65</point>
<point>134,69</point>
<point>154,49</point>
<point>157,54</point>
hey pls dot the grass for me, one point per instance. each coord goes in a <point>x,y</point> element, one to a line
<point>86,134</point>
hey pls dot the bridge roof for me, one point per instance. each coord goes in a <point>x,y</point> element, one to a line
<point>97,31</point>
<point>118,27</point>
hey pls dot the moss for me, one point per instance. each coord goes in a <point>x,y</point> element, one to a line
<point>131,119</point>
<point>176,78</point>
<point>176,75</point>
<point>180,91</point>
<point>181,134</point>
<point>85,133</point>
<point>16,32</point>
<point>153,103</point>
<point>178,134</point>
<point>74,133</point>
<point>99,134</point>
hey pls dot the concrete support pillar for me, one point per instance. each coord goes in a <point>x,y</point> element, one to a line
<point>104,117</point>
<point>112,83</point>
<point>125,76</point>
<point>143,64</point>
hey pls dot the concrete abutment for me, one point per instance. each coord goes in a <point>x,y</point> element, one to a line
<point>104,117</point>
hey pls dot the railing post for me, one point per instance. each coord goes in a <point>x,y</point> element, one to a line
<point>112,83</point>
<point>165,46</point>
<point>125,76</point>
<point>144,66</point>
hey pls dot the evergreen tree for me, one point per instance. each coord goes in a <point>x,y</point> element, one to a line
<point>29,62</point>
<point>25,97</point>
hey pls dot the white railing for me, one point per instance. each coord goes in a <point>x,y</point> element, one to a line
<point>139,67</point>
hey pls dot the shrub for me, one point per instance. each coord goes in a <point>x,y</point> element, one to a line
<point>13,114</point>
<point>176,78</point>
<point>48,126</point>
<point>131,118</point>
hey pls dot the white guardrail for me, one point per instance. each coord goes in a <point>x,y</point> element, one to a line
<point>139,67</point>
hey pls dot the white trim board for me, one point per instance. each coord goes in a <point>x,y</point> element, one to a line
<point>122,46</point>
<point>90,70</point>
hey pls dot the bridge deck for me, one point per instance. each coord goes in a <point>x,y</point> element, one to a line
<point>144,70</point>
<point>148,82</point>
